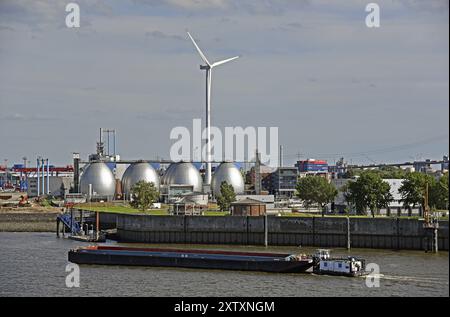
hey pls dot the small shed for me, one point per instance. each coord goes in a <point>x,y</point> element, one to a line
<point>186,206</point>
<point>248,207</point>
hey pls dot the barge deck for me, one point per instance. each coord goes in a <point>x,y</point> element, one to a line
<point>201,259</point>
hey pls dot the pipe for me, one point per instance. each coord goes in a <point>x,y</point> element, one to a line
<point>76,172</point>
<point>48,178</point>
<point>114,143</point>
<point>281,156</point>
<point>43,176</point>
<point>266,230</point>
<point>38,180</point>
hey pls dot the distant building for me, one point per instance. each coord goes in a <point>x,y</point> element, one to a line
<point>284,182</point>
<point>339,170</point>
<point>265,173</point>
<point>312,167</point>
<point>423,166</point>
<point>58,185</point>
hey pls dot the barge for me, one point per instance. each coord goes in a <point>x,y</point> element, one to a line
<point>199,259</point>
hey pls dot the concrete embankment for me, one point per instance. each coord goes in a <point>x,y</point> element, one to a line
<point>28,221</point>
<point>386,233</point>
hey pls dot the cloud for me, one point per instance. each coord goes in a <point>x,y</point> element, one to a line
<point>199,4</point>
<point>23,117</point>
<point>161,35</point>
<point>43,14</point>
<point>216,6</point>
<point>279,7</point>
<point>304,62</point>
<point>6,28</point>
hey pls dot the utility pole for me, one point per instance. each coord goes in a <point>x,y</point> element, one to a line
<point>266,230</point>
<point>38,176</point>
<point>258,174</point>
<point>430,224</point>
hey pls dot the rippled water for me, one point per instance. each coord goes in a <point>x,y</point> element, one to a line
<point>33,264</point>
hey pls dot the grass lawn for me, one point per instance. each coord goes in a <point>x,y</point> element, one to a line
<point>216,213</point>
<point>126,209</point>
<point>299,214</point>
<point>122,209</point>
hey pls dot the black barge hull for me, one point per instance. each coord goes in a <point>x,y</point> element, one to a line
<point>274,263</point>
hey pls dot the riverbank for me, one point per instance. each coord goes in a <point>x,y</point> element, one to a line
<point>28,221</point>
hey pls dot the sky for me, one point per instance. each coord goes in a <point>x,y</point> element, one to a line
<point>312,68</point>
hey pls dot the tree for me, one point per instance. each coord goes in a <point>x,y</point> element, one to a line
<point>439,193</point>
<point>226,197</point>
<point>413,189</point>
<point>392,172</point>
<point>384,172</point>
<point>369,191</point>
<point>316,190</point>
<point>143,195</point>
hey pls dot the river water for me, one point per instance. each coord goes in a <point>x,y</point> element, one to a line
<point>33,264</point>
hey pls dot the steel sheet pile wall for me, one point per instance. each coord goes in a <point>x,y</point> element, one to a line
<point>390,233</point>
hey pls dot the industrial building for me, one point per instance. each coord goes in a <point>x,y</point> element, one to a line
<point>44,179</point>
<point>284,182</point>
<point>312,166</point>
<point>57,186</point>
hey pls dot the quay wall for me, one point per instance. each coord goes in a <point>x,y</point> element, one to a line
<point>28,222</point>
<point>384,233</point>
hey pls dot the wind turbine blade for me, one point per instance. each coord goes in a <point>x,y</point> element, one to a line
<point>224,61</point>
<point>199,50</point>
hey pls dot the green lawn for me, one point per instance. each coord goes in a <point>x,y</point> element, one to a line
<point>216,213</point>
<point>299,214</point>
<point>123,209</point>
<point>126,209</point>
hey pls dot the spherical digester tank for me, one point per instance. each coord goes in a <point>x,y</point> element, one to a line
<point>136,172</point>
<point>183,173</point>
<point>100,177</point>
<point>227,172</point>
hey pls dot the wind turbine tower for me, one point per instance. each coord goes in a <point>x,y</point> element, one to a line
<point>208,68</point>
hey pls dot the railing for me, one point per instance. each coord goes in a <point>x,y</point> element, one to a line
<point>66,219</point>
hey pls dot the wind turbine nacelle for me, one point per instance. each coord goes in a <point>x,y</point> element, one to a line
<point>205,67</point>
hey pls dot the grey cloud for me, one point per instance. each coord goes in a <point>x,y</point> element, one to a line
<point>280,7</point>
<point>42,14</point>
<point>430,5</point>
<point>295,25</point>
<point>7,28</point>
<point>161,35</point>
<point>168,114</point>
<point>23,117</point>
<point>249,6</point>
<point>289,27</point>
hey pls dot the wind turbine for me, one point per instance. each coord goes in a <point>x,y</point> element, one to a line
<point>208,68</point>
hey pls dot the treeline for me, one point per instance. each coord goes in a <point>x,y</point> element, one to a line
<point>385,172</point>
